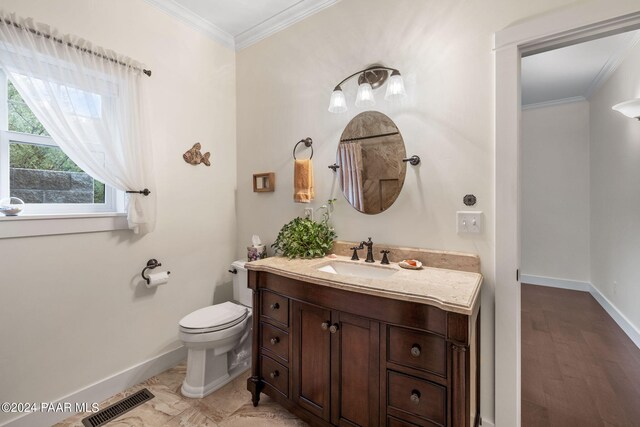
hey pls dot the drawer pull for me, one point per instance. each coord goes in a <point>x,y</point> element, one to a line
<point>415,350</point>
<point>274,374</point>
<point>275,340</point>
<point>274,306</point>
<point>325,326</point>
<point>415,396</point>
<point>334,328</point>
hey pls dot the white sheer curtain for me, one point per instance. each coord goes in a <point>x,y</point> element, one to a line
<point>351,173</point>
<point>88,104</point>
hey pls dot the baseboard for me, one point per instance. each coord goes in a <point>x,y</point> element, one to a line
<point>553,282</point>
<point>629,328</point>
<point>487,423</point>
<point>103,389</point>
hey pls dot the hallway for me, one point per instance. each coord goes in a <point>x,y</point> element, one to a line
<point>578,367</point>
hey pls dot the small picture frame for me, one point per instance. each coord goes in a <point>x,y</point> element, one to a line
<point>264,182</point>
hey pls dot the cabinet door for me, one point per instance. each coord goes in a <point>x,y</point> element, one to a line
<point>355,371</point>
<point>311,358</point>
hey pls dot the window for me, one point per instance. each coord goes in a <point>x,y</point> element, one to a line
<point>34,169</point>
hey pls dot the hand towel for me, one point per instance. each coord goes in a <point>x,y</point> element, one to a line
<point>303,191</point>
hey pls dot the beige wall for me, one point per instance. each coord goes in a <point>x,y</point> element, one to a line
<point>555,192</point>
<point>72,308</point>
<point>615,206</point>
<point>444,51</point>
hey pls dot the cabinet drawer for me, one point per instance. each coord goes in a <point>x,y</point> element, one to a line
<point>275,307</point>
<point>418,397</point>
<point>275,340</point>
<point>419,350</point>
<point>275,374</point>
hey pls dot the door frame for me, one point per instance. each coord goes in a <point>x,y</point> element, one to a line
<point>566,26</point>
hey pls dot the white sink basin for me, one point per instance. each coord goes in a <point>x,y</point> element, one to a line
<point>367,271</point>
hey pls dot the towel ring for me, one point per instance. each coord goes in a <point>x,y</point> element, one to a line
<point>307,143</point>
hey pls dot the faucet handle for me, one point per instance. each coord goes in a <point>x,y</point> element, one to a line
<point>355,249</point>
<point>385,259</point>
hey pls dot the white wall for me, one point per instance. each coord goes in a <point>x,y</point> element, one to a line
<point>444,51</point>
<point>555,192</point>
<point>72,308</point>
<point>615,185</point>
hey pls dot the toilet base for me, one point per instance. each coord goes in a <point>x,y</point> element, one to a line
<point>200,392</point>
<point>208,369</point>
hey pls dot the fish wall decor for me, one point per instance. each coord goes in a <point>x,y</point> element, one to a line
<point>194,156</point>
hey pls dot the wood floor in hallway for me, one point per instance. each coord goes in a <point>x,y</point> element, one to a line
<point>578,367</point>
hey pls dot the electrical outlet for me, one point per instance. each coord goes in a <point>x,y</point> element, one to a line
<point>308,213</point>
<point>615,286</point>
<point>469,222</point>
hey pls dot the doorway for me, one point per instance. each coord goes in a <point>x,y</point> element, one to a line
<point>574,188</point>
<point>565,27</point>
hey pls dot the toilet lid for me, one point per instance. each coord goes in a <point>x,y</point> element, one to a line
<point>215,317</point>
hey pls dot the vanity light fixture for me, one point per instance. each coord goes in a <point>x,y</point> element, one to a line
<point>365,95</point>
<point>368,80</point>
<point>630,108</point>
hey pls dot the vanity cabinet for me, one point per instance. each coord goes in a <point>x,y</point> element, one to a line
<point>338,357</point>
<point>335,365</point>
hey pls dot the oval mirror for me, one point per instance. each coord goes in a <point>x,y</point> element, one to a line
<point>370,154</point>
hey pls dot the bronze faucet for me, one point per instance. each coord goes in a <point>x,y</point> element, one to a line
<point>369,245</point>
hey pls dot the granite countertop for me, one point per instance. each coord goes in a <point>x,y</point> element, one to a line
<point>450,290</point>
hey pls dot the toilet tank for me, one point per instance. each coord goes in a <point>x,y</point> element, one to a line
<point>241,291</point>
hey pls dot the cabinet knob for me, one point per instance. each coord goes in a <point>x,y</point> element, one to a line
<point>334,328</point>
<point>415,350</point>
<point>324,326</point>
<point>275,340</point>
<point>275,306</point>
<point>415,396</point>
<point>274,374</point>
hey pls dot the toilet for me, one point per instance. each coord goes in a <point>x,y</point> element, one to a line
<point>218,339</point>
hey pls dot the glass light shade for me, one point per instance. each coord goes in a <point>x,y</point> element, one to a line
<point>365,96</point>
<point>629,108</point>
<point>395,87</point>
<point>337,103</point>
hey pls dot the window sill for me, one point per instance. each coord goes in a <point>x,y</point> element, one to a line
<point>52,224</point>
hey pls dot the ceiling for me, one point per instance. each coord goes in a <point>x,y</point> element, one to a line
<point>241,23</point>
<point>573,73</point>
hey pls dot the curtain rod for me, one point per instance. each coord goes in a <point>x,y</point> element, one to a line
<point>80,48</point>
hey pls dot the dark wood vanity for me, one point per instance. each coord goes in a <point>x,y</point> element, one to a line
<point>345,358</point>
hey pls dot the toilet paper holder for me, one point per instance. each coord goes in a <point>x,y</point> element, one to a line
<point>151,264</point>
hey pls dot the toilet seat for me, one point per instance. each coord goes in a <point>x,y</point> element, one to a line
<point>213,318</point>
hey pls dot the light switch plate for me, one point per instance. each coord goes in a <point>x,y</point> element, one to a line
<point>469,222</point>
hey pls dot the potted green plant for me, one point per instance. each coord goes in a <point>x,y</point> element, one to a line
<point>306,238</point>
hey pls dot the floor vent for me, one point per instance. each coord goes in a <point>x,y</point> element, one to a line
<point>114,411</point>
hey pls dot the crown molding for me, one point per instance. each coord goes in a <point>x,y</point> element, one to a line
<point>612,65</point>
<point>554,102</point>
<point>187,16</point>
<point>280,21</point>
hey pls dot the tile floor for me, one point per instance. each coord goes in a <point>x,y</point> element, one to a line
<point>228,407</point>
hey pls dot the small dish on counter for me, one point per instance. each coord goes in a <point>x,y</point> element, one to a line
<point>410,264</point>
